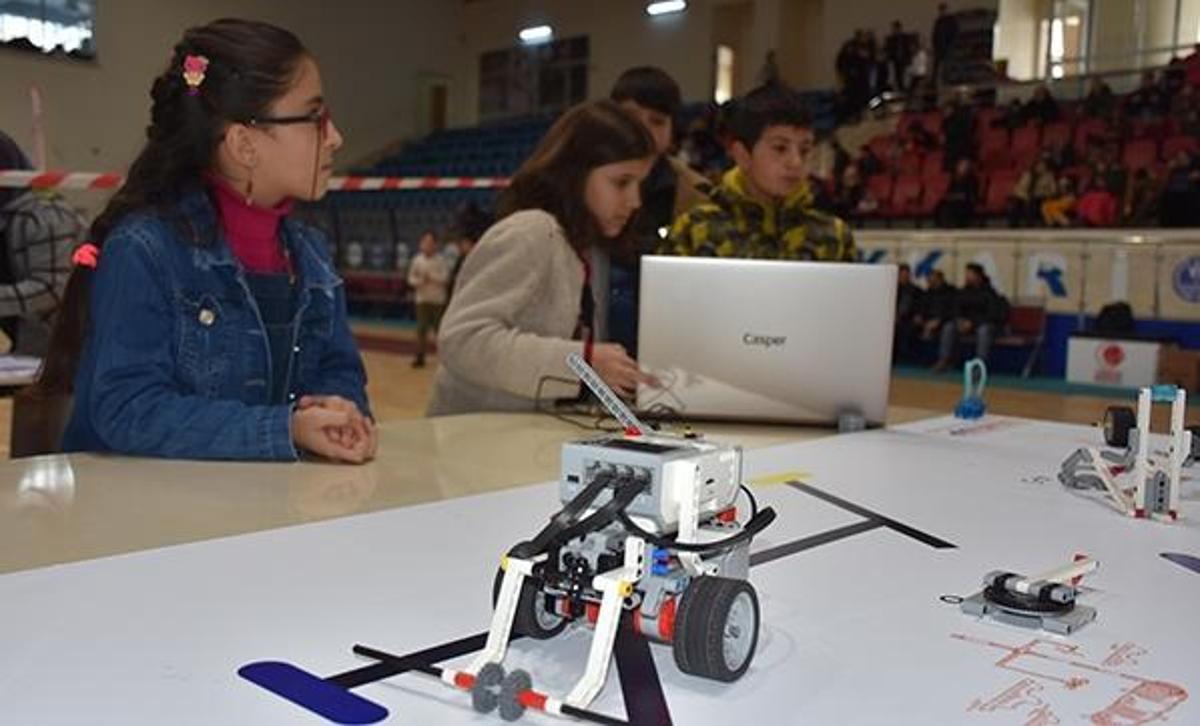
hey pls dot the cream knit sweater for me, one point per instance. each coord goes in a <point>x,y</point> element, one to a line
<point>509,324</point>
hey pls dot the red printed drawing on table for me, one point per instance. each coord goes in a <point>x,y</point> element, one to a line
<point>1057,678</point>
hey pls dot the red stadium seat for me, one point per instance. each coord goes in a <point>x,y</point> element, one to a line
<point>906,196</point>
<point>880,187</point>
<point>1176,144</point>
<point>994,152</point>
<point>1140,153</point>
<point>984,118</point>
<point>1056,134</point>
<point>1026,139</point>
<point>909,163</point>
<point>882,145</point>
<point>1147,128</point>
<point>1081,174</point>
<point>932,121</point>
<point>933,164</point>
<point>1088,132</point>
<point>999,189</point>
<point>935,189</point>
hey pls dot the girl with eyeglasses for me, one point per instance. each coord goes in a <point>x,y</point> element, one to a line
<point>202,320</point>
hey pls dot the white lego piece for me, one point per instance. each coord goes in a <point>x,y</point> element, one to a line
<point>1141,463</point>
<point>615,585</point>
<point>516,570</point>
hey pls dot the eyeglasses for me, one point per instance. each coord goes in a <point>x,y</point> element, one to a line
<point>321,118</point>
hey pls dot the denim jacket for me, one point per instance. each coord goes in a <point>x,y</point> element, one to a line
<point>177,363</point>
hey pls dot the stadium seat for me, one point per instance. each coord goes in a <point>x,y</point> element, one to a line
<point>906,196</point>
<point>1000,185</point>
<point>935,187</point>
<point>1175,144</point>
<point>1140,153</point>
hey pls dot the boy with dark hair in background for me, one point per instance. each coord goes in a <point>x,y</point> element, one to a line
<point>653,98</point>
<point>763,207</point>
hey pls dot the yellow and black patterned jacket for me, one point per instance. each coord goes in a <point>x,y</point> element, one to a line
<point>732,224</point>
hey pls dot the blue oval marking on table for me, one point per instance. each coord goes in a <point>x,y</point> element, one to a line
<point>313,693</point>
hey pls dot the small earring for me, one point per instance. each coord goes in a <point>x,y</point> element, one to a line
<point>250,192</point>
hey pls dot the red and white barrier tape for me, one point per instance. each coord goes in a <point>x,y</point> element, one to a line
<point>86,180</point>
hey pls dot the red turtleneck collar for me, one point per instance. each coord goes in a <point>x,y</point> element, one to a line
<point>252,231</point>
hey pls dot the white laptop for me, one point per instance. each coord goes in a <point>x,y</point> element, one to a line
<point>761,340</point>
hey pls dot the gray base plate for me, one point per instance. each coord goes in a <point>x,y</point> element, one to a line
<point>1059,623</point>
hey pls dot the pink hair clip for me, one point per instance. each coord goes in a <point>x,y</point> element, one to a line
<point>86,255</point>
<point>194,68</point>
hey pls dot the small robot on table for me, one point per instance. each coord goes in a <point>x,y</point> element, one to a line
<point>648,539</point>
<point>1137,485</point>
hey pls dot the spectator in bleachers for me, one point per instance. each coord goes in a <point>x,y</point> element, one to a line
<point>958,128</point>
<point>1191,65</point>
<point>978,310</point>
<point>1141,200</point>
<point>672,188</point>
<point>822,193</point>
<point>1098,207</point>
<point>957,208</point>
<point>845,60</point>
<point>763,207</point>
<point>870,45</point>
<point>1189,122</point>
<point>898,50</point>
<point>918,139</point>
<point>937,306</point>
<point>428,277</point>
<point>1147,102</point>
<point>1059,210</point>
<point>880,73</point>
<point>908,308</point>
<point>1185,102</point>
<point>852,200</point>
<point>700,147</point>
<point>945,29</point>
<point>862,72</point>
<point>1011,116</point>
<point>868,162</point>
<point>1181,193</point>
<point>1041,107</point>
<point>524,300</point>
<point>918,69</point>
<point>1035,185</point>
<point>1099,103</point>
<point>1059,155</point>
<point>768,75</point>
<point>1112,172</point>
<point>1173,78</point>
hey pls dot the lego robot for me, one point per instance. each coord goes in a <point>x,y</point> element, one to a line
<point>648,539</point>
<point>1154,490</point>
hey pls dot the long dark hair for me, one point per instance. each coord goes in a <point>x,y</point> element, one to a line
<point>250,65</point>
<point>553,178</point>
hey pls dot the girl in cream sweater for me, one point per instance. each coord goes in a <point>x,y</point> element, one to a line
<point>523,300</point>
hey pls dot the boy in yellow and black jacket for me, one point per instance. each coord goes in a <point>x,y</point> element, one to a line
<point>763,207</point>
